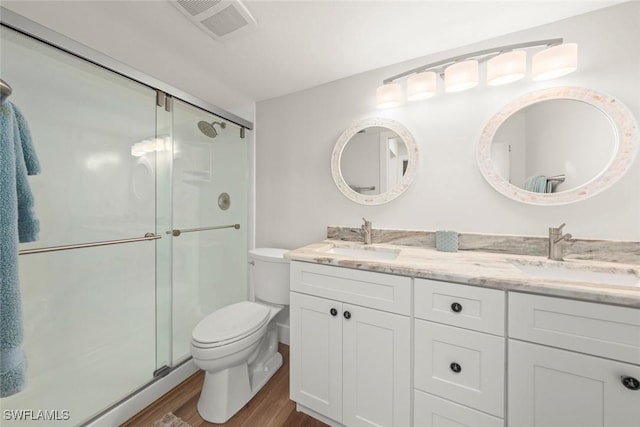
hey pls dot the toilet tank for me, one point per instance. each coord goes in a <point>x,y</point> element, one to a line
<point>270,275</point>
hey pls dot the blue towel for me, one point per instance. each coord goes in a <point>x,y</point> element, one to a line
<point>18,223</point>
<point>538,184</point>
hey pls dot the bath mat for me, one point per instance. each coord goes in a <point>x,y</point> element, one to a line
<point>170,420</point>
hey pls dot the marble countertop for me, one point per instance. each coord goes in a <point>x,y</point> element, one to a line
<point>490,270</point>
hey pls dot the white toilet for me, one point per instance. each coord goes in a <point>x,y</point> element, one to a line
<point>237,345</point>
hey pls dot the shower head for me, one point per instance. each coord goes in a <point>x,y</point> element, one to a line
<point>208,128</point>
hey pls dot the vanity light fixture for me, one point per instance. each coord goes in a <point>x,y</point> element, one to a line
<point>554,62</point>
<point>505,64</point>
<point>507,67</point>
<point>389,95</point>
<point>421,85</point>
<point>461,76</point>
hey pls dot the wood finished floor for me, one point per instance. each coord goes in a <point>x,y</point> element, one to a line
<point>271,407</point>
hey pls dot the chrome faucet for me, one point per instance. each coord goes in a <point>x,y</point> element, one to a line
<point>555,242</point>
<point>366,231</point>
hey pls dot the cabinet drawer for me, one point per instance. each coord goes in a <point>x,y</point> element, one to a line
<point>375,290</point>
<point>469,307</point>
<point>460,365</point>
<point>599,329</point>
<point>432,411</point>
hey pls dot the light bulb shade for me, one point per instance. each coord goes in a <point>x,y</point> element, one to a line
<point>554,61</point>
<point>388,95</point>
<point>461,76</point>
<point>507,67</point>
<point>421,85</point>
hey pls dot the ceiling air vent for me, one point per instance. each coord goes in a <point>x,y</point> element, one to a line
<point>221,19</point>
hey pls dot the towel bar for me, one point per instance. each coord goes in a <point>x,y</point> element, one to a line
<point>177,233</point>
<point>361,189</point>
<point>559,178</point>
<point>148,236</point>
<point>5,90</point>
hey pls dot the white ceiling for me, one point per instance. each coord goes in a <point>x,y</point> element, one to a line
<point>297,45</point>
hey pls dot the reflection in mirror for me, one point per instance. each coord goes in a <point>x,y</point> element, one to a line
<point>374,161</point>
<point>557,146</point>
<point>546,147</point>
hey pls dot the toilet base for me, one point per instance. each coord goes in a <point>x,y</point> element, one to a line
<point>260,377</point>
<point>225,392</point>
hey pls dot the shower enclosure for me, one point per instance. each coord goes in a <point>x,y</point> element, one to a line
<point>143,230</point>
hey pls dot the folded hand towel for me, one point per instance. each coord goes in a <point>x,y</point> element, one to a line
<point>538,184</point>
<point>18,223</point>
<point>529,184</point>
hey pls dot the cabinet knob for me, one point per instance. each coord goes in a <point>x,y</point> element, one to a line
<point>455,367</point>
<point>333,312</point>
<point>456,307</point>
<point>347,315</point>
<point>630,383</point>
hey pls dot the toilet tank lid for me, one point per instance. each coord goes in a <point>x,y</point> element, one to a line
<point>269,254</point>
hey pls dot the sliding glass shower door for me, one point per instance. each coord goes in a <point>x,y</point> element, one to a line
<point>165,184</point>
<point>89,314</point>
<point>210,198</point>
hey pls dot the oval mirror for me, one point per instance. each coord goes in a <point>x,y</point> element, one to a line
<point>557,146</point>
<point>374,161</point>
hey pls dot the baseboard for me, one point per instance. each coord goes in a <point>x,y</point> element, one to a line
<point>283,333</point>
<point>143,398</point>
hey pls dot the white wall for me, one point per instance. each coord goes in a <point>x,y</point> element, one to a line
<point>296,197</point>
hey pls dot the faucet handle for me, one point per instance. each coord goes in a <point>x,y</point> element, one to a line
<point>558,229</point>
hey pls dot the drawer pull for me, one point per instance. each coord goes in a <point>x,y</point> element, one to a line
<point>333,312</point>
<point>347,315</point>
<point>630,383</point>
<point>456,368</point>
<point>456,307</point>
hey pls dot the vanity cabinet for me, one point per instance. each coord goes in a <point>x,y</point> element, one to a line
<point>351,363</point>
<point>368,349</point>
<point>459,370</point>
<point>572,363</point>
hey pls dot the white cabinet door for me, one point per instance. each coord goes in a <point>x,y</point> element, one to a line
<point>316,354</point>
<point>558,388</point>
<point>376,368</point>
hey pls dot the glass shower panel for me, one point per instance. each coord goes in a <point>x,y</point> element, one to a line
<point>88,314</point>
<point>210,164</point>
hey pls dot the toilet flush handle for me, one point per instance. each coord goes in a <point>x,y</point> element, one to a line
<point>252,262</point>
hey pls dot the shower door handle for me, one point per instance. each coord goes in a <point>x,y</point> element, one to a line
<point>147,236</point>
<point>178,232</point>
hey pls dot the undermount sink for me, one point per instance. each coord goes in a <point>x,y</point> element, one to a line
<point>368,252</point>
<point>561,272</point>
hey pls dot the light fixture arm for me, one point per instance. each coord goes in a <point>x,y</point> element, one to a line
<point>473,55</point>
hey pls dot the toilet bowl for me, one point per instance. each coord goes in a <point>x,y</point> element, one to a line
<point>237,345</point>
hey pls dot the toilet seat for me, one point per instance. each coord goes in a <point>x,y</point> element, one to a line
<point>230,324</point>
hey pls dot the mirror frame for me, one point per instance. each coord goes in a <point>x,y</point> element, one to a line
<point>626,148</point>
<point>400,187</point>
